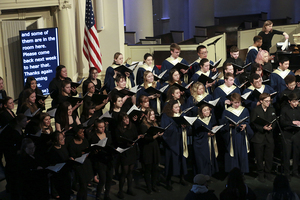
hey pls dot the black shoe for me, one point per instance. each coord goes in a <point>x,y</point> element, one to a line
<point>270,177</point>
<point>296,175</point>
<point>130,192</point>
<point>120,195</point>
<point>183,182</point>
<point>155,189</point>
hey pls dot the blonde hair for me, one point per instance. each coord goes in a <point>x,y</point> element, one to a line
<point>194,90</point>
<point>267,23</point>
<point>145,81</point>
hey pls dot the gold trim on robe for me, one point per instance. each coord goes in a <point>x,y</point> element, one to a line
<point>202,96</point>
<point>184,138</point>
<point>199,72</point>
<point>226,89</point>
<point>237,112</point>
<point>174,61</point>
<point>261,89</point>
<point>147,67</point>
<point>281,73</point>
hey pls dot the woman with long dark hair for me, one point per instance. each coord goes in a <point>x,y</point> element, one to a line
<point>150,156</point>
<point>147,66</point>
<point>93,78</point>
<point>30,83</point>
<point>126,133</point>
<point>29,98</point>
<point>7,113</point>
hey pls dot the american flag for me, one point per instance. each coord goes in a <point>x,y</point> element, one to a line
<point>91,47</point>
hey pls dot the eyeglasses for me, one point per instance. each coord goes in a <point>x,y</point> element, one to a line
<point>206,52</point>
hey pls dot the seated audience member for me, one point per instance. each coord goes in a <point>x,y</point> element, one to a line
<point>200,190</point>
<point>253,50</point>
<point>282,190</point>
<point>236,188</point>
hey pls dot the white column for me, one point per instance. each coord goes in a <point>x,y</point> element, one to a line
<point>139,17</point>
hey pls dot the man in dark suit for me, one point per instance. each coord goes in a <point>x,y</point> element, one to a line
<point>262,140</point>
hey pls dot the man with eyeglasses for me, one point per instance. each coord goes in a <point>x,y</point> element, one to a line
<point>290,123</point>
<point>290,82</point>
<point>262,140</point>
<point>202,53</point>
<point>256,83</point>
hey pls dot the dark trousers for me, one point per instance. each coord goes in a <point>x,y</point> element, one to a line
<point>105,173</point>
<point>292,144</point>
<point>264,152</point>
<point>150,174</point>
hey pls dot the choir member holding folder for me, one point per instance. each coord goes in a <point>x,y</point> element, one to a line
<point>204,69</point>
<point>170,62</point>
<point>175,140</point>
<point>151,89</point>
<point>150,156</point>
<point>126,134</point>
<point>147,66</point>
<point>7,113</point>
<point>30,83</point>
<point>263,119</point>
<point>111,74</point>
<point>55,85</point>
<point>236,135</point>
<point>102,158</point>
<point>204,142</point>
<point>198,94</point>
<point>60,181</point>
<point>93,78</point>
<point>83,171</point>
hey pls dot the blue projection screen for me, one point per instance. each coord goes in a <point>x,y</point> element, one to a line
<point>40,55</point>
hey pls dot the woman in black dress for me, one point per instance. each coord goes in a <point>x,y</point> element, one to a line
<point>29,97</point>
<point>30,83</point>
<point>93,78</point>
<point>2,91</point>
<point>102,159</point>
<point>7,113</point>
<point>60,181</point>
<point>91,89</point>
<point>126,133</point>
<point>33,180</point>
<point>84,171</point>
<point>150,155</point>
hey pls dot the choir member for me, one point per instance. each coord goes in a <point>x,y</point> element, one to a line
<point>227,68</point>
<point>170,62</point>
<point>33,179</point>
<point>29,97</point>
<point>126,133</point>
<point>262,140</point>
<point>236,136</point>
<point>198,94</point>
<point>224,90</point>
<point>235,59</point>
<point>7,114</point>
<point>290,82</point>
<point>84,171</point>
<point>278,75</point>
<point>88,115</point>
<point>45,123</point>
<point>30,83</point>
<point>11,139</point>
<point>60,181</point>
<point>150,156</point>
<point>202,53</point>
<point>143,103</point>
<point>258,69</point>
<point>204,69</point>
<point>267,34</point>
<point>256,84</point>
<point>147,66</point>
<point>155,100</point>
<point>65,118</point>
<point>102,159</point>
<point>204,142</point>
<point>111,74</point>
<point>93,78</point>
<point>262,58</point>
<point>91,89</point>
<point>290,122</point>
<point>2,91</point>
<point>253,50</point>
<point>55,85</point>
<point>127,100</point>
<point>175,140</point>
<point>174,94</point>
